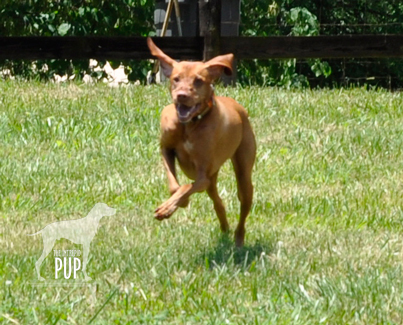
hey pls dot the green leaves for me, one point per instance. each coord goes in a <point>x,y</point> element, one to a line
<point>303,21</point>
<point>320,68</point>
<point>52,18</point>
<point>74,18</point>
<point>280,18</point>
<point>63,29</point>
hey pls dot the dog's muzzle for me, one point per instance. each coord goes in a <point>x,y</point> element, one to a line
<point>186,113</point>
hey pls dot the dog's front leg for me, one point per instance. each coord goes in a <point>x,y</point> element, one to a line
<point>168,157</point>
<point>181,196</point>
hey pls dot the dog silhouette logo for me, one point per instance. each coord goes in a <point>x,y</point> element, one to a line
<point>79,231</point>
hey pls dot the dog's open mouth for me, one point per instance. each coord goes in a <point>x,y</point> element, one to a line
<point>186,113</point>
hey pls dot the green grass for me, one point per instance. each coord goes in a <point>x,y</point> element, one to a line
<point>323,240</point>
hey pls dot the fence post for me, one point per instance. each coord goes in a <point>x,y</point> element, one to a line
<point>210,27</point>
<point>230,19</point>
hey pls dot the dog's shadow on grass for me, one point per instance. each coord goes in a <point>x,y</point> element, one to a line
<point>225,252</point>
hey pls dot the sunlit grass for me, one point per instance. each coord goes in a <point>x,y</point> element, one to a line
<point>323,240</point>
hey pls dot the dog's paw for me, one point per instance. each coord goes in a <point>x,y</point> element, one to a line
<point>161,215</point>
<point>165,210</point>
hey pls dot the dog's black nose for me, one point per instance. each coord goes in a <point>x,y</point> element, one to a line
<point>182,97</point>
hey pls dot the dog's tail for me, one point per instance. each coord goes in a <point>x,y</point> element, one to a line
<point>35,233</point>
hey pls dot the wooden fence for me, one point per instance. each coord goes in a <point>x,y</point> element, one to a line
<point>279,47</point>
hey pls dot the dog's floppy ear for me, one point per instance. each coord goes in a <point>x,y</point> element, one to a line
<point>222,63</point>
<point>166,62</point>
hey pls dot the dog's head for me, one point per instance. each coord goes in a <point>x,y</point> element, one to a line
<point>191,82</point>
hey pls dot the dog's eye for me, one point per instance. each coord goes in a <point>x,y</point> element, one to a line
<point>198,82</point>
<point>176,79</point>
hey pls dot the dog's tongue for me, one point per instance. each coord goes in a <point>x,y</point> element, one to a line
<point>185,112</point>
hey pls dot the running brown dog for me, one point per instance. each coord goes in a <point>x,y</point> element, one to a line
<point>202,131</point>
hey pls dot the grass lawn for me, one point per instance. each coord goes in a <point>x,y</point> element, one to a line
<point>323,242</point>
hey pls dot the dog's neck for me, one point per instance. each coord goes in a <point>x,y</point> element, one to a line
<point>210,104</point>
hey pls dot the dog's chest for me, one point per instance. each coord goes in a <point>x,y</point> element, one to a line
<point>185,154</point>
<point>185,151</point>
<point>187,142</point>
<point>188,146</point>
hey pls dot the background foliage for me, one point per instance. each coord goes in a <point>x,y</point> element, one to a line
<point>258,18</point>
<point>309,17</point>
<point>73,18</point>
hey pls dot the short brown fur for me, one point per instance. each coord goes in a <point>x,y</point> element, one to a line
<point>202,131</point>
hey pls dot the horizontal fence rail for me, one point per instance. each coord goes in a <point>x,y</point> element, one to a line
<point>191,48</point>
<point>94,47</point>
<point>304,47</point>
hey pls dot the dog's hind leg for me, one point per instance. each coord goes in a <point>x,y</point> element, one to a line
<point>218,205</point>
<point>243,161</point>
<point>47,247</point>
